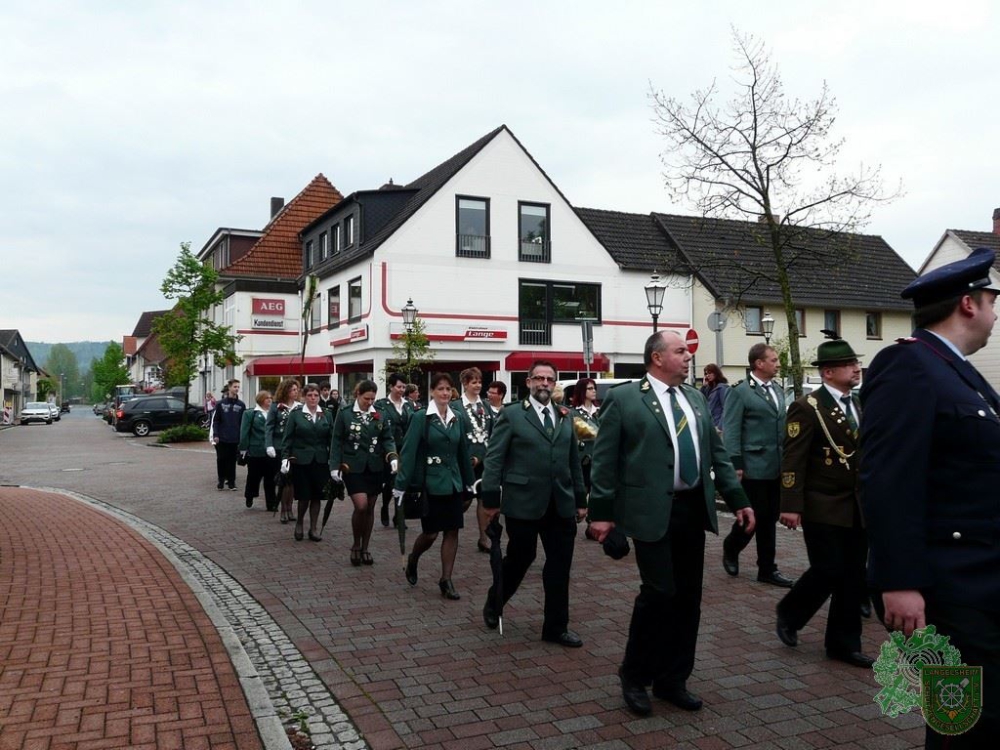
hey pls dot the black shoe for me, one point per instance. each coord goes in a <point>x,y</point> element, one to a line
<point>776,579</point>
<point>219,486</point>
<point>569,639</point>
<point>635,696</point>
<point>411,570</point>
<point>490,616</point>
<point>314,537</point>
<point>854,658</point>
<point>299,536</point>
<point>232,487</point>
<point>866,609</point>
<point>731,563</point>
<point>448,590</point>
<point>788,635</point>
<point>679,696</point>
<point>249,502</point>
<point>384,516</point>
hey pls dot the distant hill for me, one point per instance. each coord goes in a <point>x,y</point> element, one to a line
<point>85,351</point>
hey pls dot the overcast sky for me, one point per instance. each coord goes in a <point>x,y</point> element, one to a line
<point>128,128</point>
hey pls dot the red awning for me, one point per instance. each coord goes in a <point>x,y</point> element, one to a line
<point>562,360</point>
<point>290,366</point>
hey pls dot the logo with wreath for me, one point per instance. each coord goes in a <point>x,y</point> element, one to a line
<point>925,671</point>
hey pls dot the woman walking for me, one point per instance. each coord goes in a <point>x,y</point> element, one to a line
<point>585,409</point>
<point>305,450</point>
<point>362,446</point>
<point>435,459</point>
<point>253,450</point>
<point>286,398</point>
<point>715,390</point>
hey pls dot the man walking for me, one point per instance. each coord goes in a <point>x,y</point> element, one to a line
<point>819,491</point>
<point>930,476</point>
<point>658,462</point>
<point>753,431</point>
<point>226,420</point>
<point>532,455</point>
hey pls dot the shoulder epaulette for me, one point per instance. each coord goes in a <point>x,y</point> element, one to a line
<point>905,340</point>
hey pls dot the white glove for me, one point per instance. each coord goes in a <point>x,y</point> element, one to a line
<point>335,476</point>
<point>285,466</point>
<point>397,495</point>
<point>271,453</point>
<point>394,465</point>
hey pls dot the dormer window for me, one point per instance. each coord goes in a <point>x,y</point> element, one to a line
<point>324,246</point>
<point>349,231</point>
<point>337,241</point>
<point>309,254</point>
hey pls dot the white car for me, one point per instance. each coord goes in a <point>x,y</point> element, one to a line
<point>54,410</point>
<point>603,386</point>
<point>36,411</point>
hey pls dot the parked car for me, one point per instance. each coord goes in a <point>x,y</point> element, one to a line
<point>603,386</point>
<point>100,408</point>
<point>146,414</point>
<point>64,409</point>
<point>36,411</point>
<point>54,410</point>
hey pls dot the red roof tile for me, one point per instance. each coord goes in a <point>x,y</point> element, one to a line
<point>279,253</point>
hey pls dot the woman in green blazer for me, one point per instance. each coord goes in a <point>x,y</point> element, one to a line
<point>436,460</point>
<point>305,449</point>
<point>361,447</point>
<point>286,398</point>
<point>254,451</point>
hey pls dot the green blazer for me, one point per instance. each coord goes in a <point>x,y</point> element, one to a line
<point>476,428</point>
<point>361,445</point>
<point>274,429</point>
<point>305,441</point>
<point>434,457</point>
<point>585,445</point>
<point>532,468</point>
<point>252,433</point>
<point>754,429</point>
<point>397,422</point>
<point>632,474</point>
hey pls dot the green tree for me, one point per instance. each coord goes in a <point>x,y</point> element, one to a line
<point>45,387</point>
<point>309,296</point>
<point>188,331</point>
<point>411,352</point>
<point>108,371</point>
<point>61,365</point>
<point>770,161</point>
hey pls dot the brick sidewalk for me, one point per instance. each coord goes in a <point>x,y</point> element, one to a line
<point>102,645</point>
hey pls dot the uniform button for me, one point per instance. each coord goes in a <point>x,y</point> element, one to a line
<point>981,413</point>
<point>956,535</point>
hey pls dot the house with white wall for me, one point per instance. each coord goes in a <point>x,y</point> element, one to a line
<point>18,374</point>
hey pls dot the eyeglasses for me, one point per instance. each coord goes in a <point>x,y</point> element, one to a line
<point>543,379</point>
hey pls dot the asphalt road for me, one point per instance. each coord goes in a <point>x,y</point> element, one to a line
<point>414,670</point>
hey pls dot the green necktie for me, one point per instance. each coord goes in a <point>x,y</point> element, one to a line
<point>849,413</point>
<point>547,421</point>
<point>685,442</point>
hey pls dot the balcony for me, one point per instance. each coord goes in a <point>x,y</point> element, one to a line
<point>535,333</point>
<point>472,246</point>
<point>535,251</point>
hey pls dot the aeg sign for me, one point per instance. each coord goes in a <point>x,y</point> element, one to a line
<point>268,314</point>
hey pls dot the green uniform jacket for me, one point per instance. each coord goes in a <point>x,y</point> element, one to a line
<point>397,422</point>
<point>632,475</point>
<point>754,429</point>
<point>816,480</point>
<point>361,445</point>
<point>477,429</point>
<point>531,467</point>
<point>585,446</point>
<point>306,441</point>
<point>274,430</point>
<point>252,433</point>
<point>434,457</point>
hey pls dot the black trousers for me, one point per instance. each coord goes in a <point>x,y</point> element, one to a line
<point>262,469</point>
<point>765,499</point>
<point>225,462</point>
<point>837,558</point>
<point>663,633</point>
<point>558,537</point>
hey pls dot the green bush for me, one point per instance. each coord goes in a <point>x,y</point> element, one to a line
<point>186,433</point>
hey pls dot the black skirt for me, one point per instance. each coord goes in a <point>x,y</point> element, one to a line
<point>444,513</point>
<point>367,483</point>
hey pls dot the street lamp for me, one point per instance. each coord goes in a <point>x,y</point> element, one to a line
<point>409,318</point>
<point>62,393</point>
<point>655,290</point>
<point>767,324</point>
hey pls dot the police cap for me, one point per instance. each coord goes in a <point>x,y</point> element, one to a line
<point>953,280</point>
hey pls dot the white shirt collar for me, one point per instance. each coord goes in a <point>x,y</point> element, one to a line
<point>357,408</point>
<point>449,415</point>
<point>837,395</point>
<point>761,382</point>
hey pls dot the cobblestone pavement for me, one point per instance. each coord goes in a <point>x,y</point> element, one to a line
<point>411,669</point>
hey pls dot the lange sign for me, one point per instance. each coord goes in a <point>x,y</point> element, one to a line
<point>268,313</point>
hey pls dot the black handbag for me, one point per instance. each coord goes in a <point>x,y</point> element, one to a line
<point>415,504</point>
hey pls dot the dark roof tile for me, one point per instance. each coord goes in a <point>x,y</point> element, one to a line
<point>634,241</point>
<point>145,325</point>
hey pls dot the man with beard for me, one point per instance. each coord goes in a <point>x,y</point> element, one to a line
<point>533,456</point>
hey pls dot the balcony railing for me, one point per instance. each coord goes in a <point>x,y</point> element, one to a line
<point>473,246</point>
<point>535,333</point>
<point>535,251</point>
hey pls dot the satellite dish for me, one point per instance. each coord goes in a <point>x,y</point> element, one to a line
<point>716,321</point>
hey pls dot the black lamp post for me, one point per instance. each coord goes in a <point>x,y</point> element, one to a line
<point>409,317</point>
<point>655,290</point>
<point>767,324</point>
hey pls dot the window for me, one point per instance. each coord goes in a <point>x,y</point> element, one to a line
<point>472,227</point>
<point>324,247</point>
<point>337,247</point>
<point>354,300</point>
<point>800,321</point>
<point>544,303</point>
<point>309,254</point>
<point>574,302</point>
<point>873,325</point>
<point>831,320</point>
<point>333,303</point>
<point>533,230</point>
<point>349,231</point>
<point>751,321</point>
<point>316,312</point>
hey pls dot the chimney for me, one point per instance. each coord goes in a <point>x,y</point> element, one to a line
<point>276,205</point>
<point>996,221</point>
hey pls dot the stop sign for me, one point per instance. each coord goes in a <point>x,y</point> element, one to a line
<point>691,337</point>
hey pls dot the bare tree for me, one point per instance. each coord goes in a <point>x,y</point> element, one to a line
<point>769,160</point>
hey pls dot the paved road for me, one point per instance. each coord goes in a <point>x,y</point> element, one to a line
<point>413,670</point>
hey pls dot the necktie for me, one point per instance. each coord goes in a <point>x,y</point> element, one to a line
<point>769,393</point>
<point>849,413</point>
<point>685,442</point>
<point>547,421</point>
